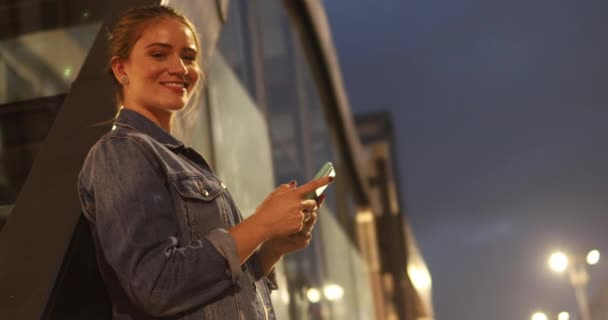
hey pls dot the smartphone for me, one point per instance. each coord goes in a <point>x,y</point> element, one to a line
<point>326,170</point>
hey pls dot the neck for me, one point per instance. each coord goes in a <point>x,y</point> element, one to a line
<point>161,117</point>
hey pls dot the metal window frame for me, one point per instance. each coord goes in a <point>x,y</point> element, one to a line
<point>311,23</point>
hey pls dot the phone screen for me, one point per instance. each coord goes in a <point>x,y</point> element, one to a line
<point>319,191</point>
<point>326,170</point>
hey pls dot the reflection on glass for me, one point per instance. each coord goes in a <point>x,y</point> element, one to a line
<point>329,280</point>
<point>291,136</point>
<point>23,127</point>
<point>234,45</point>
<point>42,47</point>
<point>229,127</point>
<point>291,146</point>
<point>31,65</point>
<point>313,295</point>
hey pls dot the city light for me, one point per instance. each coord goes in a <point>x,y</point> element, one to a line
<point>333,292</point>
<point>284,294</point>
<point>420,277</point>
<point>593,257</point>
<point>578,276</point>
<point>539,316</point>
<point>563,316</point>
<point>67,72</point>
<point>313,295</point>
<point>558,262</point>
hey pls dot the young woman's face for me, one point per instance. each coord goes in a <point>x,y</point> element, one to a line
<point>162,71</point>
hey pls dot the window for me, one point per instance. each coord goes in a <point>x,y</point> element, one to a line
<point>42,47</point>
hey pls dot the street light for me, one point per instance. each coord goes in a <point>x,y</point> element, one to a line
<point>558,261</point>
<point>333,291</point>
<point>539,316</point>
<point>313,295</point>
<point>593,257</point>
<point>577,273</point>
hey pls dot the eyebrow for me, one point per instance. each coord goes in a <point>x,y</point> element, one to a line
<point>159,44</point>
<point>166,45</point>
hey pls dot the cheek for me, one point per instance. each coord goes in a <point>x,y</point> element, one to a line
<point>195,74</point>
<point>154,72</point>
<point>148,72</point>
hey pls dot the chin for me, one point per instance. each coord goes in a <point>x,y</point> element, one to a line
<point>175,105</point>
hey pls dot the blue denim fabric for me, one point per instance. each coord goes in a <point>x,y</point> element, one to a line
<point>159,215</point>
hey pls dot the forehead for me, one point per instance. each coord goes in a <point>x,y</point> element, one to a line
<point>169,31</point>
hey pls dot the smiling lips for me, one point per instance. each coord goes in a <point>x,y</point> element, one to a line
<point>177,86</point>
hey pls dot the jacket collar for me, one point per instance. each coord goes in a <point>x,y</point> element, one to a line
<point>136,121</point>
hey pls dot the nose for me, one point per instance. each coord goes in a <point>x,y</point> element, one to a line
<point>178,67</point>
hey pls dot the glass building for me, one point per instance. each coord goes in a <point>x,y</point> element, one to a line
<point>273,109</point>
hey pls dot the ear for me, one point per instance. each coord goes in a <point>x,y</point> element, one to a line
<point>118,68</point>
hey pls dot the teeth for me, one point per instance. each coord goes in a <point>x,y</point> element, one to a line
<point>175,84</point>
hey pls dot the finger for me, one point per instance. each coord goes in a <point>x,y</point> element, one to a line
<point>308,236</point>
<point>281,188</point>
<point>310,217</point>
<point>286,186</point>
<point>293,238</point>
<point>307,233</point>
<point>314,184</point>
<point>307,215</point>
<point>308,205</point>
<point>302,217</point>
<point>309,224</point>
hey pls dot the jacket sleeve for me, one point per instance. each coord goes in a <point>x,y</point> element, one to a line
<point>270,279</point>
<point>132,212</point>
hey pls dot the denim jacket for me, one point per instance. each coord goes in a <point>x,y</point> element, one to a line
<point>158,215</point>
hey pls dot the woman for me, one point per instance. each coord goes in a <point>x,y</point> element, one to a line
<point>169,238</point>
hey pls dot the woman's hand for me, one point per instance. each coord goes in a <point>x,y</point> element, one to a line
<point>297,241</point>
<point>279,215</point>
<point>282,213</point>
<point>273,249</point>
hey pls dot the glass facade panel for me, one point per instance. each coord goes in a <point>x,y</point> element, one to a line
<point>32,66</point>
<point>302,141</point>
<point>234,44</point>
<point>254,147</point>
<point>42,47</point>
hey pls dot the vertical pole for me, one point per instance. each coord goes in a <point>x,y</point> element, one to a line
<point>578,279</point>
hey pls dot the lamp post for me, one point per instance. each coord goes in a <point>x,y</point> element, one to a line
<point>577,273</point>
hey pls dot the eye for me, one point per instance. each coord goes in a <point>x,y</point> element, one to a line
<point>158,55</point>
<point>190,58</point>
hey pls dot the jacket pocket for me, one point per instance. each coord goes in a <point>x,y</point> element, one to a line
<point>201,205</point>
<point>199,187</point>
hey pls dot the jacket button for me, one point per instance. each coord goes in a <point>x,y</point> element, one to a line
<point>223,185</point>
<point>205,193</point>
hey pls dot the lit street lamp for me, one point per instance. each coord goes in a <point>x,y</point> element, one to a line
<point>558,261</point>
<point>539,316</point>
<point>593,257</point>
<point>577,273</point>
